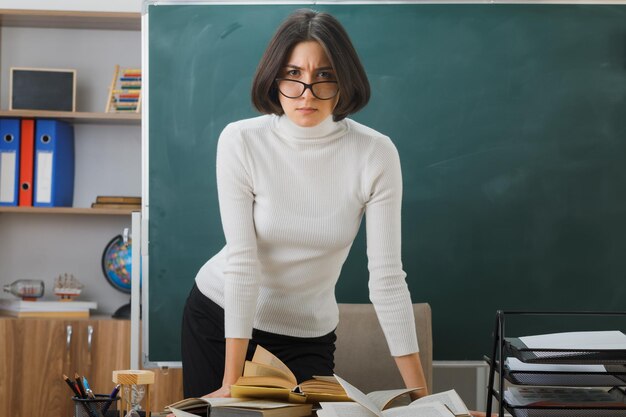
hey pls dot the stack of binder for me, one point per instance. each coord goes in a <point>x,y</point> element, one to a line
<point>36,163</point>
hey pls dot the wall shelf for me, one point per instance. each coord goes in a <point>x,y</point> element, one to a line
<point>78,117</point>
<point>66,210</point>
<point>70,19</point>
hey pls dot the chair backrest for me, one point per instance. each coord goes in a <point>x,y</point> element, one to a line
<point>362,356</point>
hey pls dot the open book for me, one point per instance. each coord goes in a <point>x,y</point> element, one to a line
<point>267,377</point>
<point>237,407</point>
<point>444,404</point>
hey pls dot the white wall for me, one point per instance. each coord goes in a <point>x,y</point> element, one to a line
<point>468,378</point>
<point>108,161</point>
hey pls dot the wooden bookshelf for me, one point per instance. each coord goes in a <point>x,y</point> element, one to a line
<point>66,210</point>
<point>78,117</point>
<point>70,19</point>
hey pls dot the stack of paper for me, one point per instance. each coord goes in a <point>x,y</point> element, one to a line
<point>20,308</point>
<point>558,397</point>
<point>593,340</point>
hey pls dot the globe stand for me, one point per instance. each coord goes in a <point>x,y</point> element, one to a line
<point>122,313</point>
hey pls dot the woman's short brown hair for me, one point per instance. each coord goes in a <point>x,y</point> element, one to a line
<point>309,25</point>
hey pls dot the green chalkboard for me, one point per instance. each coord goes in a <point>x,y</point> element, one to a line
<point>510,121</point>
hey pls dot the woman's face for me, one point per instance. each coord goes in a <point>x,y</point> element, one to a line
<point>308,63</point>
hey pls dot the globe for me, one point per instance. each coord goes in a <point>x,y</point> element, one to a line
<point>117,263</point>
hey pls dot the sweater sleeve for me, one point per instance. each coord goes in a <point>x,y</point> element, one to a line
<point>389,292</point>
<point>236,198</point>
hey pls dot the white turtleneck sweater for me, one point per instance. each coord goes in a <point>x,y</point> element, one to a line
<point>291,201</point>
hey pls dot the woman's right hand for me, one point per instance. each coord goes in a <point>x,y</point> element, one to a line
<point>223,392</point>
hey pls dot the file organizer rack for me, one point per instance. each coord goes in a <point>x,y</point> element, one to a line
<point>503,347</point>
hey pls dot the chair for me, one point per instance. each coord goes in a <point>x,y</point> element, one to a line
<point>362,356</point>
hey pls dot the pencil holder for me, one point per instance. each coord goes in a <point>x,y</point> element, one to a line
<point>101,406</point>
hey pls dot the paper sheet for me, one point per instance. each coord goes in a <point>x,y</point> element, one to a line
<point>450,398</point>
<point>343,409</point>
<point>612,339</point>
<point>421,410</point>
<point>514,364</point>
<point>359,396</point>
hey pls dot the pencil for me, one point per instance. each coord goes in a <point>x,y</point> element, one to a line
<point>79,384</point>
<point>71,385</point>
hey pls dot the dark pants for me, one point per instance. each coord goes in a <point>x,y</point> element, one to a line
<point>203,348</point>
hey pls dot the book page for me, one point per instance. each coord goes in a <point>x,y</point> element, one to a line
<point>344,410</point>
<point>358,396</point>
<point>421,410</point>
<point>612,339</point>
<point>384,398</point>
<point>326,378</point>
<point>317,385</point>
<point>261,369</point>
<point>450,399</point>
<point>181,413</point>
<point>263,372</point>
<point>260,404</point>
<point>265,393</point>
<point>264,381</point>
<point>262,355</point>
<point>195,402</point>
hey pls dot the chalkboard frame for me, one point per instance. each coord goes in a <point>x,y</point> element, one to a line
<point>494,188</point>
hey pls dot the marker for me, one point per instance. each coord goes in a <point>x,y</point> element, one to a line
<point>112,397</point>
<point>87,388</point>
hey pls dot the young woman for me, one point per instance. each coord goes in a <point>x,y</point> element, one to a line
<point>293,186</point>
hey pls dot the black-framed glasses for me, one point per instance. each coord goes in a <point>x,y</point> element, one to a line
<point>322,90</point>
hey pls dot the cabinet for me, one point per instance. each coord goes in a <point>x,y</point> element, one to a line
<point>8,366</point>
<point>35,353</point>
<point>590,379</point>
<point>40,351</point>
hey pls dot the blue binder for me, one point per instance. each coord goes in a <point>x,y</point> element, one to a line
<point>54,164</point>
<point>9,161</point>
